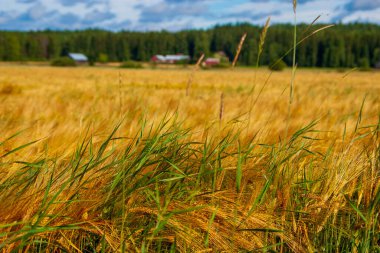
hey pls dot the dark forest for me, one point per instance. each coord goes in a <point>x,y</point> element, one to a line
<point>341,46</point>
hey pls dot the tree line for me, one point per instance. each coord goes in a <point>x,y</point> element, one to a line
<point>350,45</point>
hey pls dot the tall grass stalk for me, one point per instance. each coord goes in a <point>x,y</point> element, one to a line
<point>191,77</point>
<point>294,68</point>
<point>259,52</point>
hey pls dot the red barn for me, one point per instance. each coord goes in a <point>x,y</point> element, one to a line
<point>209,62</point>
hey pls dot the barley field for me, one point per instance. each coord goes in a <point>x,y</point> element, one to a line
<point>106,160</point>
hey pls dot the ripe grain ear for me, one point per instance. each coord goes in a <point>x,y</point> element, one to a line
<point>238,50</point>
<point>221,108</point>
<point>263,35</point>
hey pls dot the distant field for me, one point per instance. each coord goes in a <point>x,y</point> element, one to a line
<point>245,175</point>
<point>62,103</point>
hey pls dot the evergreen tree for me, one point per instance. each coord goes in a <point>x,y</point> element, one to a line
<point>12,48</point>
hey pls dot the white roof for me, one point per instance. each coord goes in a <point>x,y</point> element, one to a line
<point>78,57</point>
<point>212,60</point>
<point>161,57</point>
<point>177,57</point>
<point>172,57</point>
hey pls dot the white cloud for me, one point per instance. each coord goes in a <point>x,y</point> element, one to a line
<point>175,14</point>
<point>129,10</point>
<point>371,16</point>
<point>364,4</point>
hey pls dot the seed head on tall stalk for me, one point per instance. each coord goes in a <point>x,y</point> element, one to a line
<point>191,77</point>
<point>294,68</point>
<point>260,50</point>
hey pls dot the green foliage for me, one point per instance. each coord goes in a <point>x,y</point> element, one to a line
<point>63,62</point>
<point>131,65</point>
<point>364,64</point>
<point>278,66</point>
<point>103,58</point>
<point>222,65</point>
<point>183,63</point>
<point>222,57</point>
<point>376,56</point>
<point>12,48</point>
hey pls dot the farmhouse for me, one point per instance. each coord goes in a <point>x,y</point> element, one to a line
<point>210,62</point>
<point>78,58</point>
<point>217,59</point>
<point>170,59</point>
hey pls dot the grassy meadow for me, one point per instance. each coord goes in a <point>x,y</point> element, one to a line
<point>105,160</point>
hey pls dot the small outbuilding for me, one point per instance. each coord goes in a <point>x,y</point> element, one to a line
<point>377,65</point>
<point>210,62</point>
<point>78,58</point>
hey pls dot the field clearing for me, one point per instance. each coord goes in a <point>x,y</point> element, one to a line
<point>242,179</point>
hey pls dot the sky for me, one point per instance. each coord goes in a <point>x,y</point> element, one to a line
<point>175,15</point>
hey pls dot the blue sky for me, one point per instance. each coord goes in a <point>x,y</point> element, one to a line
<point>174,15</point>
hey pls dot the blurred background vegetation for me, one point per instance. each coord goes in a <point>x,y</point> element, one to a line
<point>343,46</point>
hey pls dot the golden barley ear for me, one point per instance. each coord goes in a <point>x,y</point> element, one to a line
<point>294,6</point>
<point>263,35</point>
<point>221,108</point>
<point>238,50</point>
